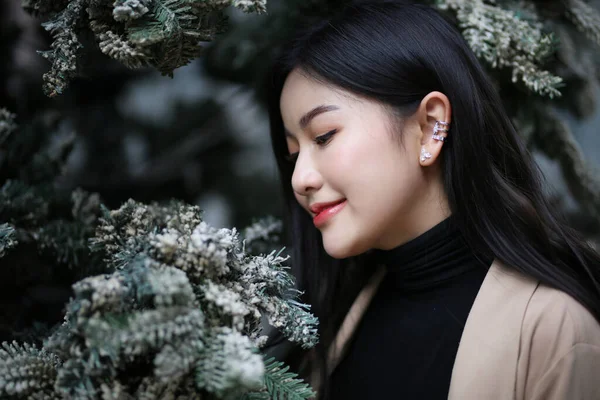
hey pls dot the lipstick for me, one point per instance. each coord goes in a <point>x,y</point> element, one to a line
<point>327,212</point>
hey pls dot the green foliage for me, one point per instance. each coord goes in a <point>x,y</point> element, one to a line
<point>7,124</point>
<point>26,371</point>
<point>177,310</point>
<point>66,241</point>
<point>7,238</point>
<point>281,384</point>
<point>507,38</point>
<point>263,235</point>
<point>58,222</point>
<point>179,314</point>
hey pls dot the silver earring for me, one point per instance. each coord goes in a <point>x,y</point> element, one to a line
<point>440,126</point>
<point>425,154</point>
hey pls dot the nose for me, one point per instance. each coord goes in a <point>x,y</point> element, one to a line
<point>306,178</point>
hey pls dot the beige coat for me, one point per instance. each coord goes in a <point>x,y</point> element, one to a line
<point>522,341</point>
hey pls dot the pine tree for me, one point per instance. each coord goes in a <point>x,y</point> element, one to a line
<point>172,307</point>
<point>162,305</point>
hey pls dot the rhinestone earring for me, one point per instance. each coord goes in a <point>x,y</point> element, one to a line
<point>440,126</point>
<point>425,154</point>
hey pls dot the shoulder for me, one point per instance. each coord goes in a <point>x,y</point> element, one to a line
<point>526,341</point>
<point>559,347</point>
<point>555,318</point>
<point>548,314</point>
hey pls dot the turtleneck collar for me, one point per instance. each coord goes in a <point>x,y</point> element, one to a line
<point>429,260</point>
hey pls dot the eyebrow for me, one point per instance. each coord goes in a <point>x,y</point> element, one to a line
<point>309,116</point>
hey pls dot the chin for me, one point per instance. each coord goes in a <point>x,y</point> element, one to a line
<point>340,251</point>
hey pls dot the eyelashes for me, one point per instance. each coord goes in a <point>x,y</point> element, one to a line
<point>321,140</point>
<point>325,138</point>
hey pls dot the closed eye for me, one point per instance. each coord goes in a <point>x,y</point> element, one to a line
<point>324,139</point>
<point>319,140</point>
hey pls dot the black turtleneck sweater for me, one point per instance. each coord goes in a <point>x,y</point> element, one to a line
<point>406,343</point>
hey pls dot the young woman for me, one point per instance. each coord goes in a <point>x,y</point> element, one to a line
<point>419,227</point>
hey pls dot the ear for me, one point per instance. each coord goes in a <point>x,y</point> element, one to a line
<point>434,107</point>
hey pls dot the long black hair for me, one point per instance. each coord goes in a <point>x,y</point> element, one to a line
<point>396,52</point>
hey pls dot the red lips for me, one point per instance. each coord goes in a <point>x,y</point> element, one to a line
<point>316,208</point>
<point>325,211</point>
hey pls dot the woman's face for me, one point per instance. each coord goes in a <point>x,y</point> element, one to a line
<point>347,152</point>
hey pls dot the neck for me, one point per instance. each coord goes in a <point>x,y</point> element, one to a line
<point>431,259</point>
<point>430,210</point>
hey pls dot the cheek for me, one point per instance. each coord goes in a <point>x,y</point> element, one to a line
<point>379,176</point>
<point>369,163</point>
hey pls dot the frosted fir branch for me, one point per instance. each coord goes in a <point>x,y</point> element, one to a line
<point>242,287</point>
<point>75,377</point>
<point>200,318</point>
<point>108,320</point>
<point>210,250</point>
<point>119,48</point>
<point>585,18</point>
<point>148,284</point>
<point>114,390</point>
<point>542,82</point>
<point>26,370</point>
<point>65,47</point>
<point>97,293</point>
<point>175,361</point>
<point>162,286</point>
<point>293,320</point>
<point>163,33</point>
<point>280,384</point>
<point>268,273</point>
<point>504,39</point>
<point>262,234</point>
<point>48,162</point>
<point>122,337</point>
<point>7,124</point>
<point>231,365</point>
<point>137,219</point>
<point>251,6</point>
<point>129,9</point>
<point>7,238</point>
<point>268,286</point>
<point>85,207</point>
<point>205,253</point>
<point>151,388</point>
<point>22,204</point>
<point>227,302</point>
<point>67,241</point>
<point>262,229</point>
<point>247,6</point>
<point>124,233</point>
<point>35,164</point>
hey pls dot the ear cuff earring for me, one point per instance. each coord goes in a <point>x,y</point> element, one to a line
<point>440,126</point>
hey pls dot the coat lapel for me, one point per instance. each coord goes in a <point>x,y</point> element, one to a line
<point>486,363</point>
